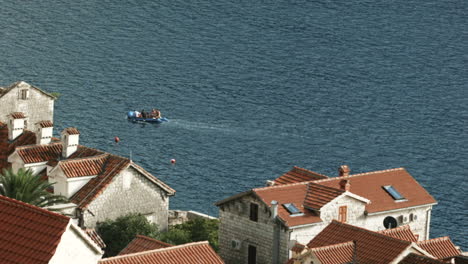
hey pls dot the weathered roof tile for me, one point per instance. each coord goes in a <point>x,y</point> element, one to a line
<point>143,243</point>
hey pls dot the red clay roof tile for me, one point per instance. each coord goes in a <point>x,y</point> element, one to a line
<point>195,253</point>
<point>417,259</point>
<point>369,185</point>
<point>46,123</point>
<point>18,115</point>
<point>440,248</point>
<point>402,232</point>
<point>371,247</point>
<point>333,254</point>
<point>80,167</point>
<point>72,131</point>
<point>297,174</point>
<point>91,232</point>
<point>29,234</point>
<point>319,195</point>
<point>143,243</point>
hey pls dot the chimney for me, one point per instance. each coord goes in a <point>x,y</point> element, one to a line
<point>270,183</point>
<point>274,209</point>
<point>70,141</point>
<point>343,170</point>
<point>345,185</point>
<point>15,125</point>
<point>44,131</point>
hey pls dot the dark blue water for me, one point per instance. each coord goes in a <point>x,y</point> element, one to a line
<point>253,88</point>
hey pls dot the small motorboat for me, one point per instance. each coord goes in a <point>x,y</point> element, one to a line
<point>136,116</point>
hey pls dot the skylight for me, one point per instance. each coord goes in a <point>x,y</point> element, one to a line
<point>393,192</point>
<point>292,209</point>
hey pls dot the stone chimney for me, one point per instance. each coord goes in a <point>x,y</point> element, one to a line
<point>15,125</point>
<point>70,141</point>
<point>274,209</point>
<point>44,130</point>
<point>343,170</point>
<point>345,185</point>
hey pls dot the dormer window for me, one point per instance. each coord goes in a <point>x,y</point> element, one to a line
<point>394,193</point>
<point>292,209</point>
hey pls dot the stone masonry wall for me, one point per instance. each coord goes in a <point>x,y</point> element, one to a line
<point>37,107</point>
<point>235,224</point>
<point>129,192</point>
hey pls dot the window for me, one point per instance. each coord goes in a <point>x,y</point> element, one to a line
<point>252,257</point>
<point>393,192</point>
<point>24,94</point>
<point>343,214</point>
<point>292,209</point>
<point>254,212</point>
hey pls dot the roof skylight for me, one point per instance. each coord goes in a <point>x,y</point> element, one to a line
<point>393,192</point>
<point>292,209</point>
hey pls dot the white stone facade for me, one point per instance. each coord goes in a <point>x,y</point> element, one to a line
<point>34,103</point>
<point>129,192</point>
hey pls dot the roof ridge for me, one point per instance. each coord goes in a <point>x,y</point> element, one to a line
<point>281,185</point>
<point>99,156</point>
<point>309,171</point>
<point>359,174</point>
<point>333,246</point>
<point>36,145</point>
<point>444,238</point>
<point>371,232</point>
<point>30,207</point>
<point>153,240</point>
<point>157,250</point>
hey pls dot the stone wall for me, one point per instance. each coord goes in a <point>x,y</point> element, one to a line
<point>236,225</point>
<point>177,217</point>
<point>129,192</point>
<point>37,107</point>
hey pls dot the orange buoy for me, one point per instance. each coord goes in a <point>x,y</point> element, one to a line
<point>173,161</point>
<point>116,139</point>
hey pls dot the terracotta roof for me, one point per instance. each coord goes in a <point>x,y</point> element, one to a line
<point>45,123</point>
<point>29,234</point>
<point>72,131</point>
<point>143,243</point>
<point>298,248</point>
<point>195,253</point>
<point>91,232</point>
<point>299,175</point>
<point>440,248</point>
<point>289,193</point>
<point>334,254</point>
<point>80,167</point>
<point>52,152</point>
<point>417,259</point>
<point>39,153</point>
<point>319,195</point>
<point>371,247</point>
<point>7,147</point>
<point>18,115</point>
<point>369,185</point>
<point>402,232</point>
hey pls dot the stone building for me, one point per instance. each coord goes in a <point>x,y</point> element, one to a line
<point>263,224</point>
<point>99,185</point>
<point>25,98</point>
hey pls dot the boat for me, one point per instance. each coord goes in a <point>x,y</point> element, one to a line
<point>135,116</point>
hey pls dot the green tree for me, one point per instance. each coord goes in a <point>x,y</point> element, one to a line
<point>198,229</point>
<point>121,231</point>
<point>26,187</point>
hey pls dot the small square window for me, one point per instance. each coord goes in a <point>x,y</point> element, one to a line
<point>393,192</point>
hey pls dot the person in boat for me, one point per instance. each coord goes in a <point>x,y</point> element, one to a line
<point>155,113</point>
<point>137,114</point>
<point>143,113</point>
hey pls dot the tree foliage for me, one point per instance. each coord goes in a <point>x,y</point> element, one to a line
<point>26,187</point>
<point>121,231</point>
<point>199,229</point>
